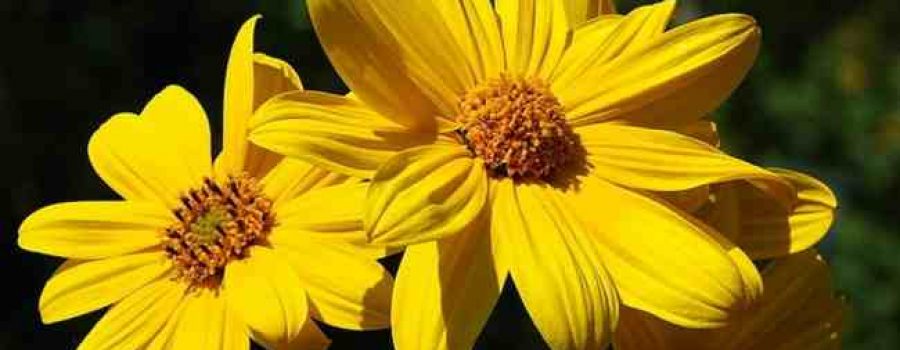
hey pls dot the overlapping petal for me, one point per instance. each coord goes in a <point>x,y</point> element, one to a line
<point>766,230</point>
<point>271,76</point>
<point>93,230</point>
<point>446,291</point>
<point>335,132</point>
<point>556,268</point>
<point>663,262</point>
<point>677,77</point>
<point>661,160</point>
<point>425,193</point>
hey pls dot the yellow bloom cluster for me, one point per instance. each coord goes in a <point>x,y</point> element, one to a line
<point>551,146</point>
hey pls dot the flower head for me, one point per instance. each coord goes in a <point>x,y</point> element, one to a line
<point>508,138</point>
<point>201,254</point>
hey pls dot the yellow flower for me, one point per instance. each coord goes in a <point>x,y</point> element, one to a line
<point>499,141</point>
<point>797,311</point>
<point>201,256</point>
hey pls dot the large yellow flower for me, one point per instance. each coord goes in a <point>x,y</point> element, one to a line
<point>201,256</point>
<point>799,310</point>
<point>509,139</point>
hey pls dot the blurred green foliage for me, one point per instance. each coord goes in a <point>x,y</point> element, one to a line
<point>824,98</point>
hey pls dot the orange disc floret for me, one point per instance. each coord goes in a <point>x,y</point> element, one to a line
<point>517,126</point>
<point>217,223</point>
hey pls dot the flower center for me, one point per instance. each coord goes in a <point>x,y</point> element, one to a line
<point>517,126</point>
<point>216,224</point>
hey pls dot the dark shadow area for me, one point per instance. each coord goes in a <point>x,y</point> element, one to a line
<point>509,326</point>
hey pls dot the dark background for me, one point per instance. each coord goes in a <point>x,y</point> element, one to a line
<point>824,97</point>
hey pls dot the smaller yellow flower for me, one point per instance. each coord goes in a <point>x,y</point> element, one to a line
<point>798,310</point>
<point>204,255</point>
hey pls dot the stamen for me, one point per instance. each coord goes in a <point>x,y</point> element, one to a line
<point>216,224</point>
<point>517,126</point>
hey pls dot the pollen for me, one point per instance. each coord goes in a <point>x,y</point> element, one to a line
<point>517,126</point>
<point>216,224</point>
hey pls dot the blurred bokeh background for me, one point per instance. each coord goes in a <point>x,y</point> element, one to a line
<point>824,98</point>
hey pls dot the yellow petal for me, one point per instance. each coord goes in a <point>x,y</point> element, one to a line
<point>678,77</point>
<point>446,291</point>
<point>768,231</point>
<point>474,26</point>
<point>660,160</point>
<point>386,61</point>
<point>663,262</point>
<point>599,42</point>
<point>535,34</point>
<point>423,194</point>
<point>345,290</point>
<point>93,230</point>
<point>556,268</point>
<point>136,320</point>
<point>271,77</point>
<point>179,118</point>
<point>79,287</point>
<point>203,321</point>
<point>239,100</point>
<point>157,156</point>
<point>798,311</point>
<point>264,291</point>
<point>292,178</point>
<point>330,216</point>
<point>335,132</point>
<point>580,11</point>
